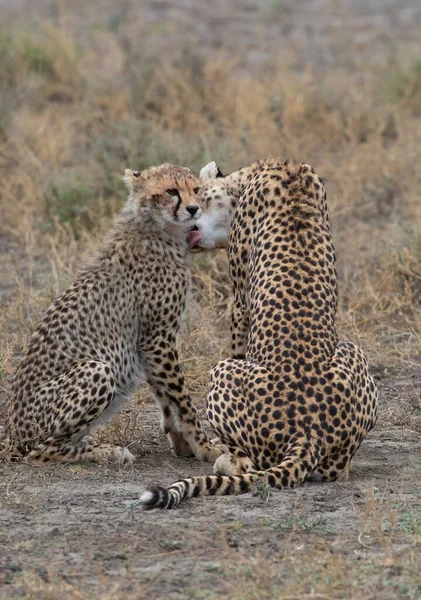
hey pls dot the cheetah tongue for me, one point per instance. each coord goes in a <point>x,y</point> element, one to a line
<point>194,237</point>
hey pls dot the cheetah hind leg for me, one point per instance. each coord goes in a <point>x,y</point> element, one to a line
<point>80,399</point>
<point>331,473</point>
<point>54,450</point>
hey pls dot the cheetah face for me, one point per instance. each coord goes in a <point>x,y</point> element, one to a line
<point>218,202</point>
<point>167,194</point>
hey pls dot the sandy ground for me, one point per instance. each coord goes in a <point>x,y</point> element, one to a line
<point>70,524</point>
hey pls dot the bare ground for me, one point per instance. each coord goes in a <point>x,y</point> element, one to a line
<point>69,528</point>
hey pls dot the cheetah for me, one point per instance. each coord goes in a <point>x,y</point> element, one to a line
<point>114,326</point>
<point>293,402</point>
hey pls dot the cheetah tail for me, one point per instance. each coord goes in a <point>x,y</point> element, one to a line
<point>211,485</point>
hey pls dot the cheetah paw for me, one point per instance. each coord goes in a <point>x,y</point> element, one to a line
<point>209,453</point>
<point>216,443</point>
<point>179,446</point>
<point>225,465</point>
<point>124,456</point>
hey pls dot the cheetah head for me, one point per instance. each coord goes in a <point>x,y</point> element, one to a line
<point>218,201</point>
<point>166,194</point>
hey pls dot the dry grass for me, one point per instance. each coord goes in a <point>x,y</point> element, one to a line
<point>378,560</point>
<point>80,104</point>
<point>70,126</point>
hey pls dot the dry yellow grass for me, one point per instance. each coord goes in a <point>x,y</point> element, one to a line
<point>67,134</point>
<point>79,105</point>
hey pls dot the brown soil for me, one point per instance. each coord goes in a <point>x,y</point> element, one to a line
<point>69,525</point>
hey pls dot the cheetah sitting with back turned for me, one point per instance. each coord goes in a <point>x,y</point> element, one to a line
<point>293,402</point>
<point>117,322</point>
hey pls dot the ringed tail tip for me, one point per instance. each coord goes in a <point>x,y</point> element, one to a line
<point>155,496</point>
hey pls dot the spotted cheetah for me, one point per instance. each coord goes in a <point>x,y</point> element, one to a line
<point>293,402</point>
<point>115,324</point>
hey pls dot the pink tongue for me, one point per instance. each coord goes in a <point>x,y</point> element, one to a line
<point>194,237</point>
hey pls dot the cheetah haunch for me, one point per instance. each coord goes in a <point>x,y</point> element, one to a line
<point>115,324</point>
<point>293,402</point>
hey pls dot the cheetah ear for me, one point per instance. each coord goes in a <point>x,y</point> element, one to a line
<point>210,171</point>
<point>132,179</point>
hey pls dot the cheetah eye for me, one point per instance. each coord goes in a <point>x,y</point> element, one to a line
<point>196,190</point>
<point>172,192</point>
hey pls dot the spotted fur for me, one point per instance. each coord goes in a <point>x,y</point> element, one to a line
<point>116,324</point>
<point>293,402</point>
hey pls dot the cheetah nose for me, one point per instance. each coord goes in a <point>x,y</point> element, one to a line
<point>193,209</point>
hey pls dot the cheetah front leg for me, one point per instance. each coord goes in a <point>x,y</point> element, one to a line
<point>239,330</point>
<point>179,416</point>
<point>178,445</point>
